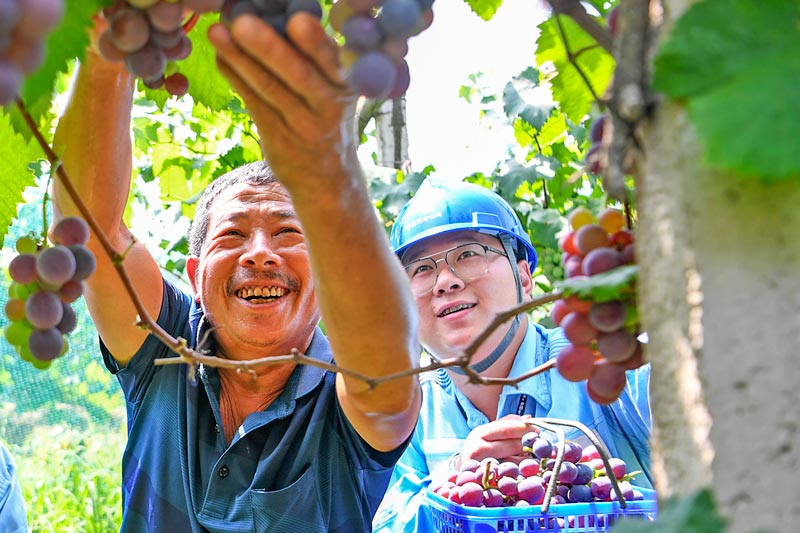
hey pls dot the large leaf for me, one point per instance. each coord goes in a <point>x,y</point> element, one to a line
<point>523,97</point>
<point>14,173</point>
<point>485,9</point>
<point>559,38</point>
<point>739,80</point>
<point>65,43</point>
<point>206,85</point>
<point>615,284</point>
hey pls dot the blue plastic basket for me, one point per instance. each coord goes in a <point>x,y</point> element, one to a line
<point>448,517</point>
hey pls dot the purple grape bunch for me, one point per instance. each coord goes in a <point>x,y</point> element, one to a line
<point>46,279</point>
<point>524,481</point>
<point>149,36</point>
<point>24,26</point>
<point>376,34</point>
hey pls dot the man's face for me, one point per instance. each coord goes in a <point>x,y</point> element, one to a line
<point>455,311</point>
<point>253,276</point>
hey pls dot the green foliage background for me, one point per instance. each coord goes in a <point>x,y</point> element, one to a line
<point>720,61</point>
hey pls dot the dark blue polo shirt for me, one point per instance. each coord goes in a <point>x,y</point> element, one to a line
<point>298,466</point>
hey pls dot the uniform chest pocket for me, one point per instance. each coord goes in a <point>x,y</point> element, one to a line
<point>290,509</point>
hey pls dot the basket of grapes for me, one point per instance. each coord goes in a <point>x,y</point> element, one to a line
<point>557,485</point>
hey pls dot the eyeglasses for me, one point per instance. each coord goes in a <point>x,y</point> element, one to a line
<point>467,261</point>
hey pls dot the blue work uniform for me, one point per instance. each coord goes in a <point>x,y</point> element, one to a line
<point>299,465</point>
<point>12,506</point>
<point>448,416</point>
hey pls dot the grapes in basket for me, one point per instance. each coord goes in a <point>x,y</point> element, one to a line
<point>582,477</point>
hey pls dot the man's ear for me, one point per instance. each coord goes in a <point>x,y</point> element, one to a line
<point>192,263</point>
<point>525,276</point>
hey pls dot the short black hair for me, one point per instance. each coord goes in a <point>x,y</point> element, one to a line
<point>256,173</point>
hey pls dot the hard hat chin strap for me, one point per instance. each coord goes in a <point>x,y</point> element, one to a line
<point>508,246</point>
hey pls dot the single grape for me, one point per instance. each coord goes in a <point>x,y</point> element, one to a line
<point>542,448</point>
<point>15,309</point>
<point>46,344</point>
<point>585,474</point>
<point>528,439</point>
<point>471,494</point>
<point>612,220</point>
<point>130,30</point>
<point>373,75</point>
<point>572,451</point>
<point>606,382</point>
<point>55,266</point>
<point>578,329</point>
<point>43,310</point>
<point>26,245</point>
<point>529,467</point>
<point>402,80</point>
<point>568,472</point>
<point>616,346</point>
<point>362,33</point>
<point>589,237</point>
<point>165,16</point>
<point>70,230</point>
<point>69,320</point>
<point>176,84</point>
<point>608,316</point>
<point>17,333</point>
<point>579,494</point>
<point>575,363</point>
<point>493,497</point>
<point>579,217</point>
<point>85,262</point>
<point>147,63</point>
<point>38,17</point>
<point>22,269</point>
<point>601,259</point>
<point>531,489</point>
<point>400,18</point>
<point>601,488</point>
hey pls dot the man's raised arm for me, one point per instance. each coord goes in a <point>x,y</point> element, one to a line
<point>304,112</point>
<point>94,140</point>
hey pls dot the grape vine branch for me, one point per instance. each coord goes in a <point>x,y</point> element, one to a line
<point>188,356</point>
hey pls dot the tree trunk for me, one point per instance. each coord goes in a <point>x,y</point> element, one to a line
<point>719,292</point>
<point>391,134</point>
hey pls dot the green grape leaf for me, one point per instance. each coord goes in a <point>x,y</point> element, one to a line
<point>524,98</point>
<point>615,284</point>
<point>723,73</point>
<point>485,9</point>
<point>569,87</point>
<point>206,85</point>
<point>68,41</point>
<point>16,176</point>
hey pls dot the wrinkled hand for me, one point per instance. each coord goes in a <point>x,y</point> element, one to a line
<point>500,439</point>
<point>294,92</point>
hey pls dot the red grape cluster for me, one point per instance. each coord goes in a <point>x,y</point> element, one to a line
<point>495,483</point>
<point>376,34</point>
<point>603,335</point>
<point>149,36</point>
<point>46,279</point>
<point>24,24</point>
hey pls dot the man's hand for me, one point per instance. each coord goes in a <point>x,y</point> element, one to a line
<point>295,93</point>
<point>499,439</point>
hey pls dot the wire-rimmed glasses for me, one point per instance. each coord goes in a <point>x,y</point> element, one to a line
<point>467,261</point>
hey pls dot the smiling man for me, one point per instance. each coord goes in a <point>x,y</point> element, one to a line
<point>468,258</point>
<point>293,447</point>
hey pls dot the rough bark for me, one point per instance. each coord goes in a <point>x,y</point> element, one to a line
<point>720,299</point>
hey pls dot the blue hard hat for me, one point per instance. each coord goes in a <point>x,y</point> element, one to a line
<point>442,206</point>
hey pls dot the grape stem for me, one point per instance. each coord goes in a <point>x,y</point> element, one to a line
<point>186,355</point>
<point>174,344</point>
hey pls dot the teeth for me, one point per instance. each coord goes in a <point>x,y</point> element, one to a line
<point>451,310</point>
<point>260,292</point>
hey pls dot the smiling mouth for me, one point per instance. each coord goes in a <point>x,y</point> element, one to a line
<point>455,309</point>
<point>260,294</point>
